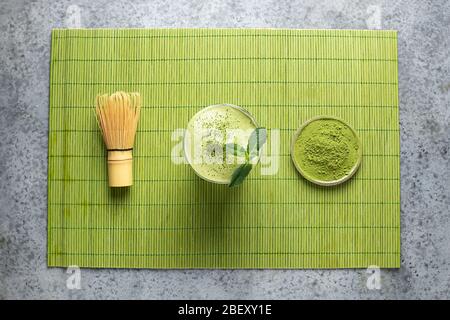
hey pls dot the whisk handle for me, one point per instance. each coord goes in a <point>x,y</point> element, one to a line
<point>120,168</point>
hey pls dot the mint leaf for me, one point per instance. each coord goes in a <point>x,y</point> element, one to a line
<point>256,141</point>
<point>240,174</point>
<point>234,149</point>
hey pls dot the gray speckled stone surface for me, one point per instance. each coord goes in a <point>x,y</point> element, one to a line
<point>424,85</point>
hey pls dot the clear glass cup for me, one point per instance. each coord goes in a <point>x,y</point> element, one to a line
<point>207,134</point>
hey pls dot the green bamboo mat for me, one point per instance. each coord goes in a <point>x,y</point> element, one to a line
<point>172,219</point>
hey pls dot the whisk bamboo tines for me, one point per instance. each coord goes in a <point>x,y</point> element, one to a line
<point>117,117</point>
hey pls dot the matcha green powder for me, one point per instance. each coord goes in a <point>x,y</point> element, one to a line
<point>326,150</point>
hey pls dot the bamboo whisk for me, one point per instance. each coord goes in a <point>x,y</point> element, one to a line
<point>117,117</point>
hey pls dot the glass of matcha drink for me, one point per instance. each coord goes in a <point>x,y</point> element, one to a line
<point>216,141</point>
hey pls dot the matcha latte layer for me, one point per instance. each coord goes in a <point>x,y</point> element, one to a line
<point>326,149</point>
<point>207,134</point>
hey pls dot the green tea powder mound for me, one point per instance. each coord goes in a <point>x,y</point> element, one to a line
<point>326,149</point>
